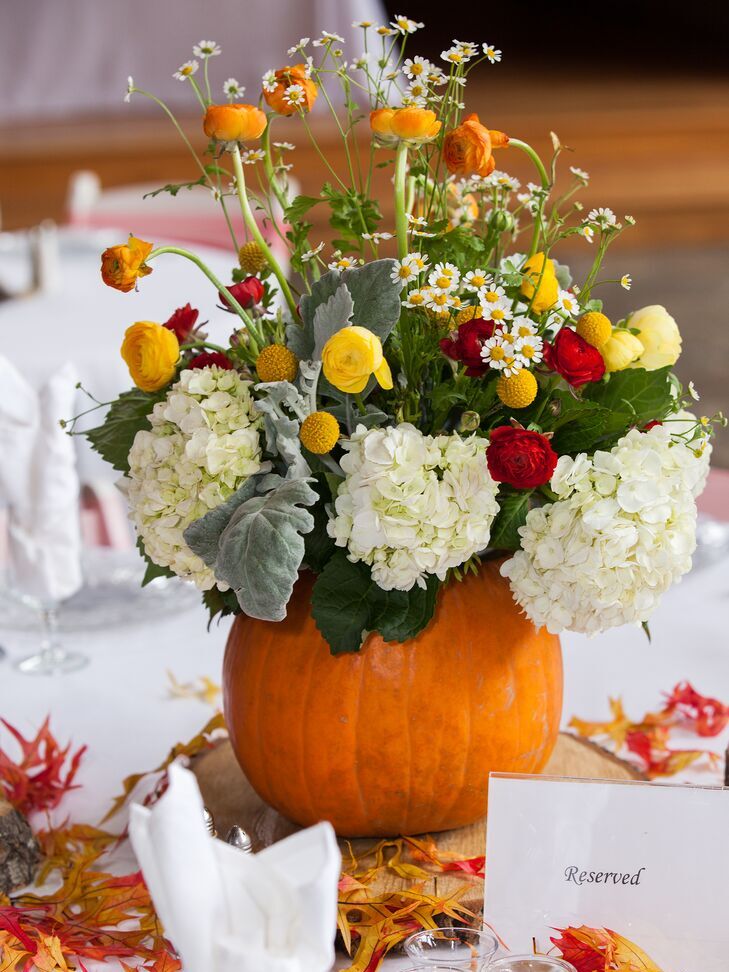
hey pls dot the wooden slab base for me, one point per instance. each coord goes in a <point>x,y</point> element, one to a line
<point>232,799</point>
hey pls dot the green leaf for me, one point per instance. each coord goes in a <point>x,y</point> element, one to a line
<point>318,545</point>
<point>299,207</point>
<point>331,316</point>
<point>261,549</point>
<point>174,187</point>
<point>645,395</point>
<point>514,507</point>
<point>347,604</point>
<point>153,570</point>
<point>127,415</point>
<point>203,536</point>
<point>220,604</point>
<point>582,430</point>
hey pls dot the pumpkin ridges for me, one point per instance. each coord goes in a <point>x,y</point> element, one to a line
<point>396,738</point>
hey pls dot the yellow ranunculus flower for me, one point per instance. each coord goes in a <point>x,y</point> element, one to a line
<point>349,358</point>
<point>409,124</point>
<point>548,287</point>
<point>620,350</point>
<point>121,265</point>
<point>151,353</point>
<point>659,335</point>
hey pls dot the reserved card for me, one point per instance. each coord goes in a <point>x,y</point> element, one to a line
<point>648,861</point>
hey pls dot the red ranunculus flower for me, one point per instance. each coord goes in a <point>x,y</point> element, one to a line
<point>520,457</point>
<point>467,346</point>
<point>207,358</point>
<point>248,292</point>
<point>572,357</point>
<point>182,322</point>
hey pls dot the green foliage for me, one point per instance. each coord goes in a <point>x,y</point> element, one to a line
<point>127,415</point>
<point>153,570</point>
<point>639,394</point>
<point>220,604</point>
<point>299,207</point>
<point>347,604</point>
<point>318,545</point>
<point>514,506</point>
<point>174,187</point>
<point>461,246</point>
<point>352,214</point>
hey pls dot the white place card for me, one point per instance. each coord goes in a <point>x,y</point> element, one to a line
<point>649,861</point>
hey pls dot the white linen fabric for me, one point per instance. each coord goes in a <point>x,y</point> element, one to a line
<point>227,911</point>
<point>74,57</point>
<point>39,484</point>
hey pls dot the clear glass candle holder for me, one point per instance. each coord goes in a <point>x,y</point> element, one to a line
<point>530,963</point>
<point>465,949</point>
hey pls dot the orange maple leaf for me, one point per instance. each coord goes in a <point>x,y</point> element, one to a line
<point>601,950</point>
<point>44,773</point>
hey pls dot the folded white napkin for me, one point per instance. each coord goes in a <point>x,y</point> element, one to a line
<point>228,911</point>
<point>39,484</point>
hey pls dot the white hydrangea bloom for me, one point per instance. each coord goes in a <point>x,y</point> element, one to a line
<point>202,445</point>
<point>413,504</point>
<point>622,531</point>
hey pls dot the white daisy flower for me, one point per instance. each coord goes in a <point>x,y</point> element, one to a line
<point>416,298</point>
<point>405,25</point>
<point>310,254</point>
<point>269,81</point>
<point>386,31</point>
<point>454,56</point>
<point>362,23</point>
<point>492,54</point>
<point>467,48</point>
<point>439,300</point>
<point>417,261</point>
<point>206,49</point>
<point>416,67</point>
<point>475,280</point>
<point>498,354</point>
<point>603,216</point>
<point>403,272</point>
<point>186,70</point>
<point>693,393</point>
<point>491,293</point>
<point>436,75</point>
<point>444,277</point>
<point>626,281</point>
<point>284,146</point>
<point>328,38</point>
<point>529,350</point>
<point>424,235</point>
<point>251,156</point>
<point>342,263</point>
<point>568,303</point>
<point>522,327</point>
<point>417,90</point>
<point>630,220</point>
<point>130,89</point>
<point>361,63</point>
<point>588,232</point>
<point>298,47</point>
<point>414,102</point>
<point>502,180</point>
<point>500,313</point>
<point>295,95</point>
<point>580,174</point>
<point>417,220</point>
<point>232,89</point>
<point>377,237</point>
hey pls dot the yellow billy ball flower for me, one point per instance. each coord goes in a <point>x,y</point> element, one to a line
<point>545,283</point>
<point>467,314</point>
<point>251,257</point>
<point>518,391</point>
<point>349,358</point>
<point>595,328</point>
<point>277,363</point>
<point>151,353</point>
<point>621,350</point>
<point>659,335</point>
<point>319,432</point>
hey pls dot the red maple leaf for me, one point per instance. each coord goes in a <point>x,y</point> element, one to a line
<point>704,715</point>
<point>44,773</point>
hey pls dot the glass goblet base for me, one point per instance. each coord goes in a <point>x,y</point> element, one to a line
<point>56,661</point>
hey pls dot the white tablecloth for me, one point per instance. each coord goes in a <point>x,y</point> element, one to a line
<point>83,321</point>
<point>120,705</point>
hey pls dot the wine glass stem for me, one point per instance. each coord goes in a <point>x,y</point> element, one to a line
<point>51,649</point>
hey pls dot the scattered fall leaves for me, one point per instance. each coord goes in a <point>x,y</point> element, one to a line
<point>646,741</point>
<point>601,950</point>
<point>43,774</point>
<point>202,688</point>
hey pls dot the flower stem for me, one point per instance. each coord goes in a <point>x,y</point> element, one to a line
<point>250,221</point>
<point>401,220</point>
<point>546,186</point>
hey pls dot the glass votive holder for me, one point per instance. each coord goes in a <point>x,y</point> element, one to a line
<point>530,963</point>
<point>465,949</point>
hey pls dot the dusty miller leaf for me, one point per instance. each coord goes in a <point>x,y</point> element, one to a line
<point>331,316</point>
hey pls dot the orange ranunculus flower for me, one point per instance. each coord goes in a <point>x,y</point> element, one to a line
<point>151,352</point>
<point>467,149</point>
<point>408,124</point>
<point>121,265</point>
<point>285,78</point>
<point>234,123</point>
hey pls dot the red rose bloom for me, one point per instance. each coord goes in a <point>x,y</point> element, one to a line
<point>207,358</point>
<point>520,457</point>
<point>182,322</point>
<point>573,358</point>
<point>466,348</point>
<point>248,292</point>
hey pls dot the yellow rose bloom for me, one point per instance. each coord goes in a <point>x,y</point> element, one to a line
<point>151,353</point>
<point>659,335</point>
<point>349,358</point>
<point>547,289</point>
<point>121,265</point>
<point>620,350</point>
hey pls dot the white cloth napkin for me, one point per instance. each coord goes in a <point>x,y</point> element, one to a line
<point>227,911</point>
<point>39,484</point>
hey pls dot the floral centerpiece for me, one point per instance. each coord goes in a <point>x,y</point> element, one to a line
<point>391,422</point>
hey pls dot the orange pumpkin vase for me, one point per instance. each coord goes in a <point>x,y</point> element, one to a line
<point>396,738</point>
